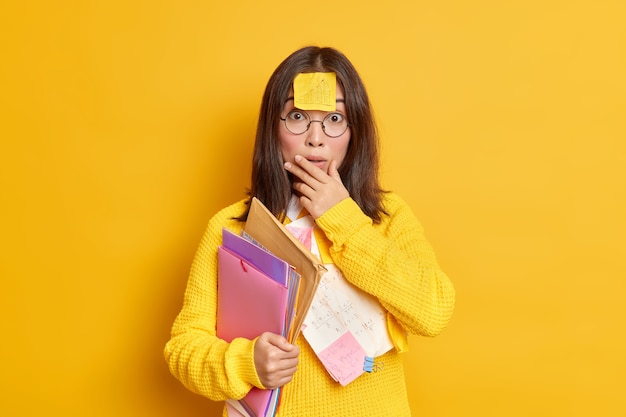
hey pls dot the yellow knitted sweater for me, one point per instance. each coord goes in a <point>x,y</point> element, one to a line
<point>391,260</point>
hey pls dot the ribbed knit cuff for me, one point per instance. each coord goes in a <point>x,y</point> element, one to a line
<point>240,361</point>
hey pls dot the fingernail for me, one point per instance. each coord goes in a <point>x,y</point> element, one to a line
<point>287,165</point>
<point>297,158</point>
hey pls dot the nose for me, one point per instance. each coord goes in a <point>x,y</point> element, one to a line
<point>315,134</point>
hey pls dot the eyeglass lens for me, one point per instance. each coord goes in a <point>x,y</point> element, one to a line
<point>298,122</point>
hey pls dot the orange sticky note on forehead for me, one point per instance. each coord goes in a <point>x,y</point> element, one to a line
<point>315,91</point>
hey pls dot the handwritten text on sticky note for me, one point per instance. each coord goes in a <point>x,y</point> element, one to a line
<point>344,359</point>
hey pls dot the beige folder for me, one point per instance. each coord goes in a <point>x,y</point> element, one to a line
<point>263,227</point>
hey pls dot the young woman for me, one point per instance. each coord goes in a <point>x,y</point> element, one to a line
<point>319,161</point>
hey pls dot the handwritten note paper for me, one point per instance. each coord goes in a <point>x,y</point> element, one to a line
<point>315,91</point>
<point>339,306</point>
<point>344,359</point>
<point>340,315</point>
<point>344,325</point>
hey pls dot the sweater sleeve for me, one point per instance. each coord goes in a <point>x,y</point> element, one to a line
<point>392,261</point>
<point>204,363</point>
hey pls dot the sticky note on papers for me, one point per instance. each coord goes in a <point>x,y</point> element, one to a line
<point>344,358</point>
<point>315,91</point>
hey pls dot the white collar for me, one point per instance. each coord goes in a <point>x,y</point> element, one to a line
<point>294,208</point>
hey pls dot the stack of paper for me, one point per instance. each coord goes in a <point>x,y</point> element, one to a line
<point>274,236</point>
<point>264,288</point>
<point>345,326</point>
<point>266,282</point>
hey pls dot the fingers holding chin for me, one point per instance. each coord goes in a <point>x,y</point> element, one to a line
<point>302,188</point>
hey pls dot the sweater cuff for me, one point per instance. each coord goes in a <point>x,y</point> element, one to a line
<point>240,362</point>
<point>342,220</point>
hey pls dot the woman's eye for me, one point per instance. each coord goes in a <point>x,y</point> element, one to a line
<point>295,115</point>
<point>335,118</point>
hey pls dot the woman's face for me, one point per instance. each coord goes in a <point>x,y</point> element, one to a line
<point>314,144</point>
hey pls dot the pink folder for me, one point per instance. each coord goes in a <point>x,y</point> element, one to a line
<point>271,265</point>
<point>249,303</point>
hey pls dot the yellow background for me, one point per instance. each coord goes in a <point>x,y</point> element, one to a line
<point>127,124</point>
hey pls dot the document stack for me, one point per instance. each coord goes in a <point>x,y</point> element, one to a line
<point>266,283</point>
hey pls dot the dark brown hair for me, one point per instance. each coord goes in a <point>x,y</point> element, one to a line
<point>270,182</point>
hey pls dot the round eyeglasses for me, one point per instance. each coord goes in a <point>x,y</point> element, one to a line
<point>299,121</point>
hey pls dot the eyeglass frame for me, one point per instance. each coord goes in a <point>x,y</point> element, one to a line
<point>308,126</point>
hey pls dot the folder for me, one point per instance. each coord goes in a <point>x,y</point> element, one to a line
<point>272,266</point>
<point>264,228</point>
<point>265,284</point>
<point>249,303</point>
<point>266,262</point>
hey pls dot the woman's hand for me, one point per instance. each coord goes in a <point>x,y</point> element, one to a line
<point>275,359</point>
<point>318,190</point>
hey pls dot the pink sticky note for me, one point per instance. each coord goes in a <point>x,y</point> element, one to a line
<point>303,234</point>
<point>344,358</point>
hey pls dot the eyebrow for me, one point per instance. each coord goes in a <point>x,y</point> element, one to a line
<point>339,100</point>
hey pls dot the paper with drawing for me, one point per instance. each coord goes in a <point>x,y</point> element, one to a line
<point>344,324</point>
